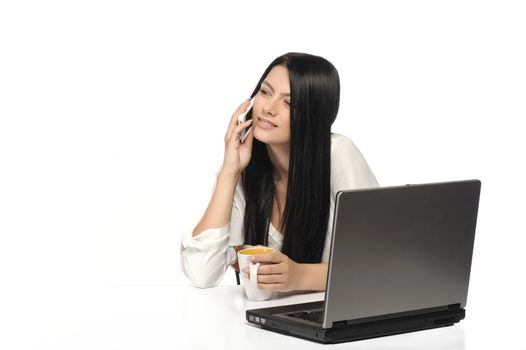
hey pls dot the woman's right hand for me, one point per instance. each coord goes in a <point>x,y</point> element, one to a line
<point>237,154</point>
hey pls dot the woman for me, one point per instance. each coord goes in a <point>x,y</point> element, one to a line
<point>278,187</point>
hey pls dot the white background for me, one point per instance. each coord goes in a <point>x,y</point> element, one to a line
<point>112,116</point>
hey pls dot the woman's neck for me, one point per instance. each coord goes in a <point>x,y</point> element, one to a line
<point>279,156</point>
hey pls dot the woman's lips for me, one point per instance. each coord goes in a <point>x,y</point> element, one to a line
<point>265,124</point>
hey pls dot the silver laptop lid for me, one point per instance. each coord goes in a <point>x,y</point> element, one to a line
<point>400,249</point>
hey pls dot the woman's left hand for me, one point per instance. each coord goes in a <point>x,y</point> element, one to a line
<point>278,273</point>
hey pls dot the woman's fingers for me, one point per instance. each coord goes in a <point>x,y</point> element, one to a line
<point>269,258</point>
<point>249,137</point>
<point>235,134</point>
<point>270,278</point>
<point>236,156</point>
<point>277,272</point>
<point>233,121</point>
<point>270,269</point>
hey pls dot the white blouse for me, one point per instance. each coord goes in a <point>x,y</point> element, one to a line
<point>206,257</point>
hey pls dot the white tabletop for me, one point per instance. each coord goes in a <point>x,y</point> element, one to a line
<point>182,317</point>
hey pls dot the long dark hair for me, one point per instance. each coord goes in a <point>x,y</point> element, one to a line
<point>314,103</point>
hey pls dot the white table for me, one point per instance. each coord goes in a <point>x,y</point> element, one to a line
<point>184,317</point>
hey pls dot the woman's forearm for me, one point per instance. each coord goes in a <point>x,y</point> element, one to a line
<point>219,209</point>
<point>314,276</point>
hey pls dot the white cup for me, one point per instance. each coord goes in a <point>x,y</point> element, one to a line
<point>250,285</point>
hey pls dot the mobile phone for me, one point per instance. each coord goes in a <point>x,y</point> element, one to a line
<point>243,117</point>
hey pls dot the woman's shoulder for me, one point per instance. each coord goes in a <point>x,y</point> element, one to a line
<point>342,145</point>
<point>349,169</point>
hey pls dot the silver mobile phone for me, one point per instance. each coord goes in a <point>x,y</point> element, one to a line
<point>243,117</point>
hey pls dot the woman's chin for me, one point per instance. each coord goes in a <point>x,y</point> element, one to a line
<point>263,136</point>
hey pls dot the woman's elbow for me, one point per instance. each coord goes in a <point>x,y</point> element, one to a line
<point>201,275</point>
<point>202,283</point>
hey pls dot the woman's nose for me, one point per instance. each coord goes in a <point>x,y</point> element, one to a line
<point>269,109</point>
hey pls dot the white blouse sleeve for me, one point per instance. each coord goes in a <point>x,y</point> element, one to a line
<point>206,257</point>
<point>349,169</point>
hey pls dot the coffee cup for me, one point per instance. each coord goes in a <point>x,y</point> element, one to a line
<point>250,284</point>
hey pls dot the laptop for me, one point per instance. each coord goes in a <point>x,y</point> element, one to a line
<point>400,261</point>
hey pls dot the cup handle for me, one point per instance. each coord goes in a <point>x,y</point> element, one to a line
<point>254,276</point>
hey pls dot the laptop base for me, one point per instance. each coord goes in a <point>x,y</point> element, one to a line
<point>343,333</point>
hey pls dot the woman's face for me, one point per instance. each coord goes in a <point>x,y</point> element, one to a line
<point>271,110</point>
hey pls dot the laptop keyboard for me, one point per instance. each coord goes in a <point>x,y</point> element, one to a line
<point>315,316</point>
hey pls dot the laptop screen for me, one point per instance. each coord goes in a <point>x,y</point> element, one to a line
<point>399,249</point>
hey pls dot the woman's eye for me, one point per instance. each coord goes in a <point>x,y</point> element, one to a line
<point>287,103</point>
<point>264,92</point>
